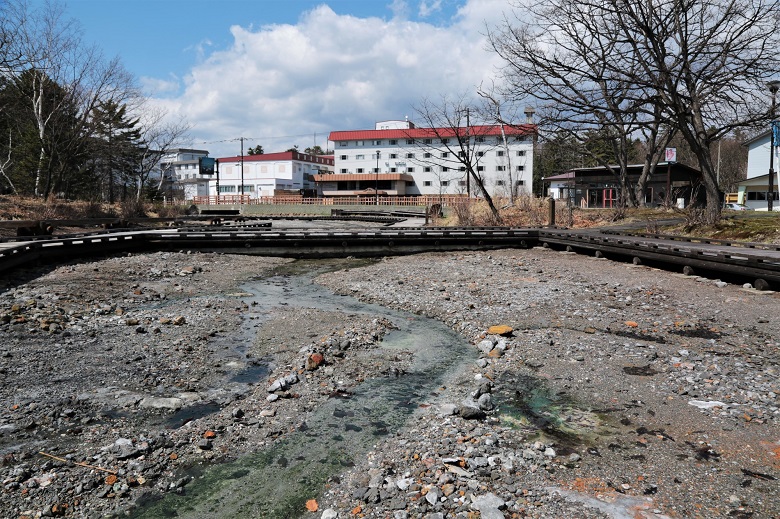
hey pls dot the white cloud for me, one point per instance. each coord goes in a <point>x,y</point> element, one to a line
<point>154,86</point>
<point>428,8</point>
<point>329,72</point>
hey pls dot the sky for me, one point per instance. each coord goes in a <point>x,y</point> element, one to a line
<point>288,72</point>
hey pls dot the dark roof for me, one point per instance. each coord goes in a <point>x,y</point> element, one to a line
<point>631,169</point>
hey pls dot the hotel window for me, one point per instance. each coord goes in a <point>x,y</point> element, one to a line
<point>426,155</point>
<point>520,168</point>
<point>343,170</point>
<point>393,142</point>
<point>376,143</point>
<point>427,169</point>
<point>480,168</point>
<point>427,183</point>
<point>500,153</point>
<point>359,170</point>
<point>444,154</point>
<point>500,168</point>
<point>409,141</point>
<point>444,169</point>
<point>393,155</point>
<point>499,182</point>
<point>445,141</point>
<point>521,182</point>
<point>375,170</point>
<point>521,153</point>
<point>461,154</point>
<point>462,168</point>
<point>343,144</point>
<point>393,170</point>
<point>461,182</point>
<point>360,157</point>
<point>445,183</point>
<point>410,170</point>
<point>480,154</point>
<point>343,157</point>
<point>410,155</point>
<point>480,139</point>
<point>427,141</point>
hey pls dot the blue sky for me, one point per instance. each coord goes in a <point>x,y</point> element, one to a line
<point>284,72</point>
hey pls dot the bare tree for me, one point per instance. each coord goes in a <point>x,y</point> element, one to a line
<point>696,67</point>
<point>158,137</point>
<point>707,63</point>
<point>449,127</point>
<point>60,63</point>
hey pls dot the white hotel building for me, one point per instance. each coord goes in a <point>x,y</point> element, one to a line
<point>270,173</point>
<point>399,159</point>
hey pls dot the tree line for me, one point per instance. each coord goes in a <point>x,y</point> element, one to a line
<point>72,122</point>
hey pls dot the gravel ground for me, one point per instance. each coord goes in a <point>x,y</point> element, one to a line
<point>611,391</point>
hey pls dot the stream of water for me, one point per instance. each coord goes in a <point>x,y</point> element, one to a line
<point>277,481</point>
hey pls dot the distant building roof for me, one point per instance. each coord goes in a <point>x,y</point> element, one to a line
<point>431,133</point>
<point>284,155</point>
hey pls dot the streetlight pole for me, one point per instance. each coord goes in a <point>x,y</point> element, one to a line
<point>376,179</point>
<point>770,195</point>
<point>241,195</point>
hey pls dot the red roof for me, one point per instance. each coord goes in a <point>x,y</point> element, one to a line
<point>284,155</point>
<point>429,133</point>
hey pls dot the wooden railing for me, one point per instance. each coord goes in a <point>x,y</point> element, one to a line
<point>424,200</point>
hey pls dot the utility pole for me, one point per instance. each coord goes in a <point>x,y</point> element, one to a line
<point>241,195</point>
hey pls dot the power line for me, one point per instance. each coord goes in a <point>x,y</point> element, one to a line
<point>236,139</point>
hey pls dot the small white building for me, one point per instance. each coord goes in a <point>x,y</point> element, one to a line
<point>398,159</point>
<point>753,190</point>
<point>179,168</point>
<point>267,174</point>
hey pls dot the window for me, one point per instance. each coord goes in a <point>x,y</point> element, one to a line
<point>227,189</point>
<point>480,139</point>
<point>445,183</point>
<point>480,154</point>
<point>409,141</point>
<point>445,141</point>
<point>500,168</point>
<point>499,182</point>
<point>426,155</point>
<point>427,141</point>
<point>375,170</point>
<point>410,170</point>
<point>445,154</point>
<point>461,182</point>
<point>522,183</point>
<point>360,157</point>
<point>444,169</point>
<point>393,142</point>
<point>393,155</point>
<point>521,153</point>
<point>359,170</point>
<point>462,168</point>
<point>461,154</point>
<point>427,183</point>
<point>376,143</point>
<point>393,170</point>
<point>427,169</point>
<point>500,153</point>
<point>520,168</point>
<point>410,155</point>
<point>343,157</point>
<point>343,170</point>
<point>480,168</point>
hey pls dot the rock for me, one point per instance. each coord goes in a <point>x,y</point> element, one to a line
<point>162,403</point>
<point>205,444</point>
<point>500,329</point>
<point>486,346</point>
<point>448,409</point>
<point>180,320</point>
<point>433,496</point>
<point>329,514</point>
<point>471,413</point>
<point>489,506</point>
<point>314,361</point>
<point>485,402</point>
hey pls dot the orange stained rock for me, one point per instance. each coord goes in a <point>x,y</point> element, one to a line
<point>356,510</point>
<point>209,435</point>
<point>110,479</point>
<point>632,324</point>
<point>500,329</point>
<point>312,506</point>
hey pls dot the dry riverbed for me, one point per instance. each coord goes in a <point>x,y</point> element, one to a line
<point>612,390</point>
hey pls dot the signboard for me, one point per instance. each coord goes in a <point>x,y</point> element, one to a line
<point>206,165</point>
<point>671,154</point>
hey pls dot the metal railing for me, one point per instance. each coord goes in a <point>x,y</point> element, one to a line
<point>424,200</point>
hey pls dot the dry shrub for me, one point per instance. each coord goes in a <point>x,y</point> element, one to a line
<point>132,208</point>
<point>168,211</point>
